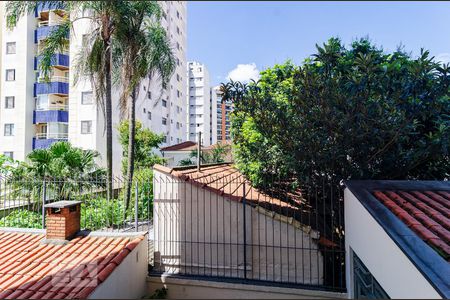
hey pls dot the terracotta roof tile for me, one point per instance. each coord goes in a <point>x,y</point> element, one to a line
<point>427,213</point>
<point>31,270</point>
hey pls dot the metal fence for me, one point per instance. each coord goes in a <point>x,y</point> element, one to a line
<point>217,227</point>
<point>22,202</point>
<point>221,227</point>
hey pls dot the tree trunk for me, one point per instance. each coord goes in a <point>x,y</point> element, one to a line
<point>108,105</point>
<point>131,146</point>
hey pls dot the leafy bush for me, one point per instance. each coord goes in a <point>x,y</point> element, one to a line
<point>22,218</point>
<point>100,213</point>
<point>355,113</point>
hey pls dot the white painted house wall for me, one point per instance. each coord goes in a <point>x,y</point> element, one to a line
<point>379,253</point>
<point>129,279</point>
<point>184,212</point>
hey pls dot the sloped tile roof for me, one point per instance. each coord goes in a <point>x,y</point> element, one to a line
<point>427,213</point>
<point>33,270</point>
<point>185,146</point>
<point>227,181</point>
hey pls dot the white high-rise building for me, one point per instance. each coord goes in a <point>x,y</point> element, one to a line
<point>200,111</point>
<point>34,114</point>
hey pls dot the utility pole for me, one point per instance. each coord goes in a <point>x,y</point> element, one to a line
<point>199,149</point>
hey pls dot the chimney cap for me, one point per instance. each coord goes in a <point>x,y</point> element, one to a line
<point>62,204</point>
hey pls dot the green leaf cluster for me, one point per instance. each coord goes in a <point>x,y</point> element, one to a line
<point>347,112</point>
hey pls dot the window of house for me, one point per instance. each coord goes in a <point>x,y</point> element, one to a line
<point>9,102</point>
<point>164,103</point>
<point>165,139</point>
<point>86,98</point>
<point>365,285</point>
<point>86,127</point>
<point>149,95</point>
<point>10,75</point>
<point>9,130</point>
<point>149,115</point>
<point>11,48</point>
<point>9,154</point>
<point>164,121</point>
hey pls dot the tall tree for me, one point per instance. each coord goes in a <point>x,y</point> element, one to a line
<point>143,50</point>
<point>96,52</point>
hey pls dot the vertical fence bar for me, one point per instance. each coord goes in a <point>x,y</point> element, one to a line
<point>44,194</point>
<point>136,208</point>
<point>245,231</point>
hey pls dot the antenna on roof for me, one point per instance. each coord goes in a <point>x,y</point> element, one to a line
<point>199,149</point>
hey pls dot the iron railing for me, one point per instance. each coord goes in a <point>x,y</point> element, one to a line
<point>22,201</point>
<point>218,228</point>
<point>221,227</point>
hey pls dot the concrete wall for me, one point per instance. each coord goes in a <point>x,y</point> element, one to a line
<point>201,233</point>
<point>22,88</point>
<point>387,263</point>
<point>181,288</point>
<point>128,280</point>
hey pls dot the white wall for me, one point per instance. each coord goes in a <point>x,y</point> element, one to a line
<point>184,212</point>
<point>22,88</point>
<point>184,288</point>
<point>174,157</point>
<point>379,253</point>
<point>128,280</point>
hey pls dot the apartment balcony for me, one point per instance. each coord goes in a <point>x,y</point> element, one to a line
<point>58,85</point>
<point>48,116</point>
<point>44,140</point>
<point>45,7</point>
<point>60,61</point>
<point>44,31</point>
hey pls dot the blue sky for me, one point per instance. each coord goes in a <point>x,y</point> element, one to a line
<point>224,35</point>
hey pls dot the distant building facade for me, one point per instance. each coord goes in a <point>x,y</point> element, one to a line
<point>34,114</point>
<point>223,114</point>
<point>199,104</point>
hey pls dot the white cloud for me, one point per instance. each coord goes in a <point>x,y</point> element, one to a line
<point>244,72</point>
<point>443,57</point>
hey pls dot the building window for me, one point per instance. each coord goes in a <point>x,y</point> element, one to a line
<point>9,130</point>
<point>178,14</point>
<point>149,115</point>
<point>164,121</point>
<point>11,48</point>
<point>9,102</point>
<point>178,94</point>
<point>165,139</point>
<point>10,75</point>
<point>9,154</point>
<point>145,110</point>
<point>86,98</point>
<point>86,127</point>
<point>149,95</point>
<point>164,103</point>
<point>365,285</point>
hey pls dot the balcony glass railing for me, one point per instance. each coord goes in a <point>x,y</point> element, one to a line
<point>59,88</point>
<point>54,79</point>
<point>52,135</point>
<point>47,116</point>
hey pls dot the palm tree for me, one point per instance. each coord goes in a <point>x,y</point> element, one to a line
<point>142,49</point>
<point>96,53</point>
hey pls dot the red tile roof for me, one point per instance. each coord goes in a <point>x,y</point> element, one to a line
<point>33,270</point>
<point>427,213</point>
<point>184,146</point>
<point>225,180</point>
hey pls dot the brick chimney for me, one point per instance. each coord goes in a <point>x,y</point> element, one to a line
<point>62,220</point>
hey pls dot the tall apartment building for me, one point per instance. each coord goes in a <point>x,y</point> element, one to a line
<point>34,114</point>
<point>200,111</point>
<point>223,112</point>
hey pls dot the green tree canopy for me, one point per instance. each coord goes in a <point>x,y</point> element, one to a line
<point>145,143</point>
<point>355,112</point>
